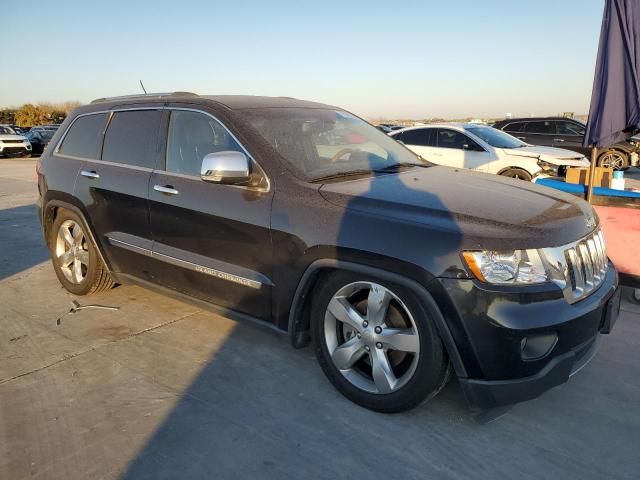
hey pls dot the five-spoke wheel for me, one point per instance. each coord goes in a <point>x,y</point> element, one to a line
<point>72,252</point>
<point>377,343</point>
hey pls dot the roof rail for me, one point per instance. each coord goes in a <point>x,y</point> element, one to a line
<point>145,95</point>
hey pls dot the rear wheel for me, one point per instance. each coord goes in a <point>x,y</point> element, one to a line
<point>75,258</point>
<point>517,173</point>
<point>376,343</point>
<point>614,159</point>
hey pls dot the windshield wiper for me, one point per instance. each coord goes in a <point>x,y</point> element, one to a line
<point>348,173</point>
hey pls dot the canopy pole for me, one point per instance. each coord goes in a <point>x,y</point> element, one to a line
<point>592,173</point>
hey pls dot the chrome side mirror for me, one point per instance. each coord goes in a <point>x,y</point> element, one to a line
<point>228,167</point>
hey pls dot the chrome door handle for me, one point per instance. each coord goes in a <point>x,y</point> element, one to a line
<point>90,174</point>
<point>522,138</point>
<point>558,139</point>
<point>168,189</point>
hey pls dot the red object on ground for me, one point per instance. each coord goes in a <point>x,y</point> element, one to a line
<point>621,228</point>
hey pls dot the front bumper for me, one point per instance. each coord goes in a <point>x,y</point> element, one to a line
<point>15,148</point>
<point>489,327</point>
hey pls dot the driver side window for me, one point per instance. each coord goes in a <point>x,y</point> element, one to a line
<point>193,135</point>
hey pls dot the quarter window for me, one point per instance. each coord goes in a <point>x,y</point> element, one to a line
<point>84,136</point>
<point>193,135</point>
<point>514,127</point>
<point>131,138</point>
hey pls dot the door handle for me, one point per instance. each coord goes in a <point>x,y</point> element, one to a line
<point>92,174</point>
<point>167,189</point>
<point>558,139</point>
<point>522,138</point>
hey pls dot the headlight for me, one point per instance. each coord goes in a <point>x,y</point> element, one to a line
<point>547,167</point>
<point>513,267</point>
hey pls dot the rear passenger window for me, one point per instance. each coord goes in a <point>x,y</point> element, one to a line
<point>131,138</point>
<point>84,136</point>
<point>541,127</point>
<point>418,136</point>
<point>193,135</point>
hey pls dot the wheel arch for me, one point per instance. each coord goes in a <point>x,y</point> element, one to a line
<point>517,167</point>
<point>299,313</point>
<point>53,202</point>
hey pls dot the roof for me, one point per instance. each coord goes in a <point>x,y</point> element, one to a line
<point>534,119</point>
<point>233,102</point>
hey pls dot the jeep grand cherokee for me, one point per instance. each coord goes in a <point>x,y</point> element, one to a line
<point>304,216</point>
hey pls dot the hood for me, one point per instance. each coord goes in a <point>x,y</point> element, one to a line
<point>557,156</point>
<point>12,137</point>
<point>487,211</point>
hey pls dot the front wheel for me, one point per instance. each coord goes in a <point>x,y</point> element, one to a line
<point>376,343</point>
<point>517,173</point>
<point>614,159</point>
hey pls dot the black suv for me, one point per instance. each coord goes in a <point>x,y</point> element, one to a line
<point>568,133</point>
<point>304,216</point>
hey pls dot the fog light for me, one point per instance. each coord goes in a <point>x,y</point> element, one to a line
<point>535,347</point>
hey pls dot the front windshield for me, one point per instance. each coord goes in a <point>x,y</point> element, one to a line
<point>6,131</point>
<point>321,143</point>
<point>495,138</point>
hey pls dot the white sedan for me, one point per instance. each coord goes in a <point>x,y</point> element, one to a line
<point>486,149</point>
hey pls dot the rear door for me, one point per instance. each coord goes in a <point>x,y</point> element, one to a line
<point>420,141</point>
<point>569,135</point>
<point>114,188</point>
<point>211,241</point>
<point>539,132</point>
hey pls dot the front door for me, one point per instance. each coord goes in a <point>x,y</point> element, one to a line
<point>455,149</point>
<point>211,241</point>
<point>569,135</point>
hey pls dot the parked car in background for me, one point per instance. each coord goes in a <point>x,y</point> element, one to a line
<point>486,149</point>
<point>305,216</point>
<point>568,133</point>
<point>12,144</point>
<point>39,139</point>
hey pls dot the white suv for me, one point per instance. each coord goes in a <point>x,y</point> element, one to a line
<point>486,149</point>
<point>12,144</point>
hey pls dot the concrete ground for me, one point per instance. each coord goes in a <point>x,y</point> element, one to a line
<point>162,389</point>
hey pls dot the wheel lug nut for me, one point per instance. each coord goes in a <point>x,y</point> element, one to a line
<point>365,324</point>
<point>378,329</point>
<point>366,347</point>
<point>358,334</point>
<point>378,345</point>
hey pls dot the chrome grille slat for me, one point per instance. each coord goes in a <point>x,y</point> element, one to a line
<point>584,269</point>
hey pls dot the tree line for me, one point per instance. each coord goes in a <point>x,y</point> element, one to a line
<point>30,114</point>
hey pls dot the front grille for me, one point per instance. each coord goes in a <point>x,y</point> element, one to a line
<point>586,266</point>
<point>12,141</point>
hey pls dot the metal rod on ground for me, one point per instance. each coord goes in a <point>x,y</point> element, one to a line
<point>592,173</point>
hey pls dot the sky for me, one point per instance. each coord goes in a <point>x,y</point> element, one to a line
<point>404,59</point>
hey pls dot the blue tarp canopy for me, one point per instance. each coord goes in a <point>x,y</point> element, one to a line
<point>614,114</point>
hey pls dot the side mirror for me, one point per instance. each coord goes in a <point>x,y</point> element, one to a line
<point>228,167</point>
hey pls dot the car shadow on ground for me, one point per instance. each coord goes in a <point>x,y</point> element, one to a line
<point>21,240</point>
<point>249,413</point>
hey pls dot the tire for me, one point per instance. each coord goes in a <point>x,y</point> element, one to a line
<point>402,381</point>
<point>517,173</point>
<point>614,159</point>
<point>75,258</point>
